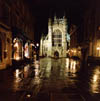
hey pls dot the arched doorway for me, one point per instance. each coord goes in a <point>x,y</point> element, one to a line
<point>56,54</point>
<point>0,50</point>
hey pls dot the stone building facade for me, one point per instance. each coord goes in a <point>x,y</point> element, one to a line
<point>5,46</point>
<point>91,30</point>
<point>75,49</point>
<point>15,22</point>
<point>55,43</point>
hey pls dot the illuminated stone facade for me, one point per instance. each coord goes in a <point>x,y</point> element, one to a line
<point>55,43</point>
<point>5,46</point>
<point>16,15</point>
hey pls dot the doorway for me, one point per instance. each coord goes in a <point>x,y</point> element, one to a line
<point>56,54</point>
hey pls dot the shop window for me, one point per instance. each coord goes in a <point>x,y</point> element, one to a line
<point>17,49</point>
<point>26,50</point>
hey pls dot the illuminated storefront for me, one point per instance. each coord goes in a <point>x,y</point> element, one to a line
<point>17,49</point>
<point>98,48</point>
<point>22,46</point>
<point>27,50</point>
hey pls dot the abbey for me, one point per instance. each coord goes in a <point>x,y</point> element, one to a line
<point>54,44</point>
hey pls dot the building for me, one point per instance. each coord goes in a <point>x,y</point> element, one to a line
<point>75,49</point>
<point>54,44</point>
<point>5,46</point>
<point>90,31</point>
<point>15,18</point>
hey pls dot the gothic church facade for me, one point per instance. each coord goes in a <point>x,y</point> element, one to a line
<point>55,43</point>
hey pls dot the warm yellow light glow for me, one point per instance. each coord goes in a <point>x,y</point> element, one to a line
<point>17,79</point>
<point>73,66</point>
<point>16,44</point>
<point>17,58</point>
<point>95,77</point>
<point>98,48</point>
<point>26,51</point>
<point>28,95</point>
<point>74,51</point>
<point>95,81</point>
<point>17,72</point>
<point>16,52</point>
<point>26,68</point>
<point>67,62</point>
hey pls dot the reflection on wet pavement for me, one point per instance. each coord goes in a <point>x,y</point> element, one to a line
<point>49,79</point>
<point>50,76</point>
<point>95,80</point>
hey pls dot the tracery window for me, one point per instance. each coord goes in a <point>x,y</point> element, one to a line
<point>57,38</point>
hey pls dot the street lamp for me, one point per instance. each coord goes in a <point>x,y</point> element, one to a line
<point>37,44</point>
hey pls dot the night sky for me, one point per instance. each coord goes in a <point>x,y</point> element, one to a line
<point>43,9</point>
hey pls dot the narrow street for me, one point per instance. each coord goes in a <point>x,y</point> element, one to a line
<point>50,80</point>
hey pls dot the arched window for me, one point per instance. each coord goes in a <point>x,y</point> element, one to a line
<point>17,49</point>
<point>57,38</point>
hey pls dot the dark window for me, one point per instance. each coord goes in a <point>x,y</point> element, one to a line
<point>8,40</point>
<point>59,45</point>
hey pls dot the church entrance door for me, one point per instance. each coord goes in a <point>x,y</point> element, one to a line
<point>56,54</point>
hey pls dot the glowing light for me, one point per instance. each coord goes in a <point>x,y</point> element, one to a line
<point>17,72</point>
<point>95,77</point>
<point>95,81</point>
<point>98,48</point>
<point>26,68</point>
<point>17,49</point>
<point>26,51</point>
<point>17,58</point>
<point>16,55</point>
<point>16,44</point>
<point>74,51</point>
<point>37,44</point>
<point>73,66</point>
<point>28,95</point>
<point>67,62</point>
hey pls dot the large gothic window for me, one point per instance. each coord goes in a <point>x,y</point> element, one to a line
<point>57,38</point>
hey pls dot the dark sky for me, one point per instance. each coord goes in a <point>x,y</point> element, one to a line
<point>42,9</point>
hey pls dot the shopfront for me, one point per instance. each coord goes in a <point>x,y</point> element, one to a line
<point>17,49</point>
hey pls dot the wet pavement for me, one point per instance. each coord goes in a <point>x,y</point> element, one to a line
<point>51,80</point>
